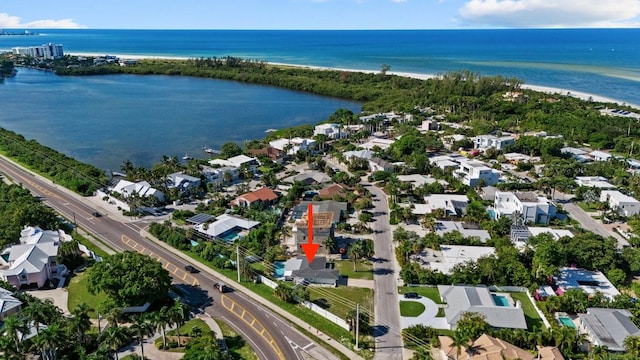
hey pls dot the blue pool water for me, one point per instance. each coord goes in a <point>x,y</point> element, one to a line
<point>231,236</point>
<point>492,214</point>
<point>500,300</point>
<point>566,322</point>
<point>278,267</point>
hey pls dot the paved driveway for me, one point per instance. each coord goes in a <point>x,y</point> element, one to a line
<point>427,318</point>
<point>59,297</point>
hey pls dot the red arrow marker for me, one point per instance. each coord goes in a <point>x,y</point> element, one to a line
<point>310,249</point>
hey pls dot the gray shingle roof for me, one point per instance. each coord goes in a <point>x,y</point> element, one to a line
<point>609,326</point>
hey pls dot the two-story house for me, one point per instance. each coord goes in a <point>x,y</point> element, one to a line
<point>532,208</point>
<point>473,172</point>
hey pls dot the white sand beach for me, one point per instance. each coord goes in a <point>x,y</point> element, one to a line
<point>545,89</point>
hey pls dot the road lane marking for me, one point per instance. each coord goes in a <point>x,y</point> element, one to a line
<point>231,305</point>
<point>171,268</point>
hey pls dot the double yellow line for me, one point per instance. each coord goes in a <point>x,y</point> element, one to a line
<point>252,321</point>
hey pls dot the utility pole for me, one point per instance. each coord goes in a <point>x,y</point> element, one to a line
<point>357,324</point>
<point>75,226</point>
<point>238,261</point>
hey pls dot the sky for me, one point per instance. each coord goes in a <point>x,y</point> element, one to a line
<point>319,14</point>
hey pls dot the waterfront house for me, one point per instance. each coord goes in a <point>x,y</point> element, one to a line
<point>294,145</point>
<point>237,162</point>
<point>182,182</point>
<point>270,152</point>
<point>333,131</point>
<point>217,175</point>
<point>142,188</point>
<point>227,227</point>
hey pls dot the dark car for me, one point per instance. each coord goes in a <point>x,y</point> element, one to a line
<point>96,214</point>
<point>221,287</point>
<point>411,295</point>
<point>191,269</point>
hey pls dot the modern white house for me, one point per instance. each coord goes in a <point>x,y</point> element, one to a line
<point>34,260</point>
<point>217,175</point>
<point>295,145</point>
<point>484,142</point>
<point>227,227</point>
<point>473,172</point>
<point>183,182</point>
<point>237,162</point>
<point>375,142</point>
<point>451,204</point>
<point>333,131</point>
<point>594,181</point>
<point>127,188</point>
<point>532,208</point>
<point>625,205</point>
<point>598,155</point>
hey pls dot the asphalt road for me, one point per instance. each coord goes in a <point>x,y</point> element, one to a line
<point>269,336</point>
<point>387,311</point>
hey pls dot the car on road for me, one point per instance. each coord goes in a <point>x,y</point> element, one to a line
<point>191,269</point>
<point>411,295</point>
<point>96,214</point>
<point>221,287</point>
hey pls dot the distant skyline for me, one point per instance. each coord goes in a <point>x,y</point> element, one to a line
<point>319,14</point>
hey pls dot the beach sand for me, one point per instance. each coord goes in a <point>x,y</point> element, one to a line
<point>544,89</point>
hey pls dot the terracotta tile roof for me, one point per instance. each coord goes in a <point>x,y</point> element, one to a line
<point>263,194</point>
<point>485,348</point>
<point>271,152</point>
<point>330,191</point>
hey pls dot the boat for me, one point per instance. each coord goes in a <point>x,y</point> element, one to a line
<point>209,150</point>
<point>186,157</point>
<point>270,130</point>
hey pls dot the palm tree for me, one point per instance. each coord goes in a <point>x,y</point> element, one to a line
<point>50,339</point>
<point>141,327</point>
<point>355,252</point>
<point>429,223</point>
<point>15,325</point>
<point>36,312</point>
<point>598,352</point>
<point>114,337</point>
<point>329,244</point>
<point>177,315</point>
<point>460,339</point>
<point>632,344</point>
<point>160,320</point>
<point>80,320</point>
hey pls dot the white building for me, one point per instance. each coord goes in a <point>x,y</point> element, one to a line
<point>127,188</point>
<point>466,230</point>
<point>296,144</point>
<point>588,281</point>
<point>533,208</point>
<point>237,162</point>
<point>445,259</point>
<point>217,175</point>
<point>484,142</point>
<point>598,155</point>
<point>374,142</point>
<point>45,51</point>
<point>333,131</point>
<point>594,181</point>
<point>445,162</point>
<point>625,205</point>
<point>472,172</point>
<point>452,204</point>
<point>361,154</point>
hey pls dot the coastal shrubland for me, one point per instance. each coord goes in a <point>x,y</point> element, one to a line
<point>68,172</point>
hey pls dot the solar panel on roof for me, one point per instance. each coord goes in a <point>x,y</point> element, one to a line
<point>200,218</point>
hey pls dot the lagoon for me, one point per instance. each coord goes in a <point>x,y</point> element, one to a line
<point>104,120</point>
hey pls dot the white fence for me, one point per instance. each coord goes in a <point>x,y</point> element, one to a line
<point>270,283</point>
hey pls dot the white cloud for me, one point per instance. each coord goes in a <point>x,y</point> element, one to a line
<point>8,22</point>
<point>399,1</point>
<point>551,13</point>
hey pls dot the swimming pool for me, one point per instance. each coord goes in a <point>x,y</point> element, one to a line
<point>566,322</point>
<point>500,300</point>
<point>278,269</point>
<point>492,214</point>
<point>230,236</point>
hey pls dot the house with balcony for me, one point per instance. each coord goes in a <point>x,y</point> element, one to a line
<point>485,142</point>
<point>623,204</point>
<point>473,172</point>
<point>332,131</point>
<point>529,206</point>
<point>294,145</point>
<point>183,183</point>
<point>33,261</point>
<point>218,174</point>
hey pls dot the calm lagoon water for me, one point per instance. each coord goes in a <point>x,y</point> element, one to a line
<point>104,120</point>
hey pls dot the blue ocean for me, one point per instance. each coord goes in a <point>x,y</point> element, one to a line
<point>59,112</point>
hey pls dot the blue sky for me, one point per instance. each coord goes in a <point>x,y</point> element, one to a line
<point>318,14</point>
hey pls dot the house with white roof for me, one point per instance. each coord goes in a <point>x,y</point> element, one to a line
<point>625,205</point>
<point>418,180</point>
<point>445,259</point>
<point>598,155</point>
<point>360,154</point>
<point>588,281</point>
<point>465,229</point>
<point>378,164</point>
<point>594,181</point>
<point>445,162</point>
<point>374,142</point>
<point>237,162</point>
<point>484,142</point>
<point>217,175</point>
<point>34,260</point>
<point>581,156</point>
<point>227,227</point>
<point>608,327</point>
<point>473,172</point>
<point>451,204</point>
<point>450,139</point>
<point>532,208</point>
<point>183,182</point>
<point>8,304</point>
<point>333,131</point>
<point>142,188</point>
<point>499,312</point>
<point>295,144</point>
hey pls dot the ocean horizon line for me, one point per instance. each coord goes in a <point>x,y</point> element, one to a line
<point>416,75</point>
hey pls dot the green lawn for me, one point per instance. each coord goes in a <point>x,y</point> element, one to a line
<point>238,347</point>
<point>587,207</point>
<point>90,245</point>
<point>530,313</point>
<point>411,308</point>
<point>361,296</point>
<point>365,269</point>
<point>428,292</point>
<point>185,330</point>
<point>78,293</point>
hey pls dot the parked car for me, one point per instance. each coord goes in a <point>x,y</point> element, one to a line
<point>411,295</point>
<point>191,269</point>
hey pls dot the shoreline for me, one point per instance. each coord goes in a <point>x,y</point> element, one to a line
<point>421,76</point>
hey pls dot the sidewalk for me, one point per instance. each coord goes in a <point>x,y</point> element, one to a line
<point>213,325</point>
<point>273,307</point>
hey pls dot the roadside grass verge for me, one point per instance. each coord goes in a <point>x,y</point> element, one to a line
<point>238,347</point>
<point>411,308</point>
<point>365,269</point>
<point>341,300</point>
<point>428,292</point>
